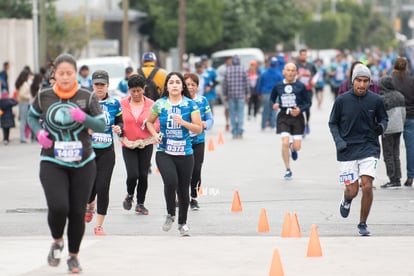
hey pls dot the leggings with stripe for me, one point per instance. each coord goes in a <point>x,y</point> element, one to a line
<point>67,191</point>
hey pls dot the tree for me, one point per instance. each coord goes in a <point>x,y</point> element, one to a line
<point>219,24</point>
<point>16,9</point>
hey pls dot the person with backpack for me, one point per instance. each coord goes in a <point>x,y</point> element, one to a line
<point>154,76</point>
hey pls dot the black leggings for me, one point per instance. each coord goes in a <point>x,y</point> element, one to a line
<point>105,162</point>
<point>137,164</point>
<point>198,163</point>
<point>67,191</point>
<point>6,133</point>
<point>176,174</point>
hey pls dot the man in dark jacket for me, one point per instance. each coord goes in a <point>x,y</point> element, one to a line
<point>357,119</point>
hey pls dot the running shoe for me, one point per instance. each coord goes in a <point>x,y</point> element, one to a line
<point>345,207</point>
<point>293,153</point>
<point>184,230</point>
<point>128,202</point>
<point>194,205</point>
<point>99,231</point>
<point>140,209</point>
<point>73,265</point>
<point>169,220</point>
<point>408,182</point>
<point>363,229</point>
<point>55,254</point>
<point>88,215</point>
<point>391,185</point>
<point>288,174</point>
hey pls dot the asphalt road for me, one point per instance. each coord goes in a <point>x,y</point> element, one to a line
<point>253,167</point>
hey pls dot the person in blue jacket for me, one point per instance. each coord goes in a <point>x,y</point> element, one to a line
<point>356,120</point>
<point>265,84</point>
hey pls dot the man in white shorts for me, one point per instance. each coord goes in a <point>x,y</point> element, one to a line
<point>357,118</point>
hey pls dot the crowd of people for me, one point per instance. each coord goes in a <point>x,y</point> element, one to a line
<point>171,111</point>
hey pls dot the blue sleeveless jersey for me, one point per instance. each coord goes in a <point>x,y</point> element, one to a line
<point>176,138</point>
<point>111,108</point>
<point>204,107</point>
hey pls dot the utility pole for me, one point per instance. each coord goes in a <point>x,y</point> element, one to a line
<point>125,26</point>
<point>42,33</point>
<point>35,16</point>
<point>181,32</point>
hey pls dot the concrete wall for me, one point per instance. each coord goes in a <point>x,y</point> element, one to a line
<point>16,46</point>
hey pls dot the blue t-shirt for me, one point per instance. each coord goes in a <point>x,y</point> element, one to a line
<point>176,138</point>
<point>205,113</point>
<point>111,108</point>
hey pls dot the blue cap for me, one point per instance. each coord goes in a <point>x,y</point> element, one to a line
<point>273,62</point>
<point>149,56</point>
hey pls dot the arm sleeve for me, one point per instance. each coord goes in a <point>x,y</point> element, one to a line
<point>33,120</point>
<point>209,120</point>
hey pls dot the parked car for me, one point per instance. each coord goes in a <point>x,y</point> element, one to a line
<point>246,55</point>
<point>114,65</point>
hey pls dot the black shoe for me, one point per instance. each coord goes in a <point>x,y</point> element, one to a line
<point>345,207</point>
<point>194,205</point>
<point>391,185</point>
<point>128,202</point>
<point>408,182</point>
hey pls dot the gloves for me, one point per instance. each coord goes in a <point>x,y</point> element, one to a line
<point>378,129</point>
<point>341,146</point>
<point>77,114</point>
<point>43,139</point>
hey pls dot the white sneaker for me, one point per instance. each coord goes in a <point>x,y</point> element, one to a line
<point>184,230</point>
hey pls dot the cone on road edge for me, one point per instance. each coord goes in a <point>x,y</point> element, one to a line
<point>276,268</point>
<point>236,205</point>
<point>286,226</point>
<point>294,227</point>
<point>314,245</point>
<point>211,145</point>
<point>263,225</point>
<point>220,140</point>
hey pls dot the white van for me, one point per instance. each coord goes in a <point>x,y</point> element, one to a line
<point>246,55</point>
<point>114,65</point>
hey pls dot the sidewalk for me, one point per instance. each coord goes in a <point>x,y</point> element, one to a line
<point>209,256</point>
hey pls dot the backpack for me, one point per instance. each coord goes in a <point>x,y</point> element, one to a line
<point>152,91</point>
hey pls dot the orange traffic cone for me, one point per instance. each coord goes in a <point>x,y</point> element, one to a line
<point>294,227</point>
<point>220,140</point>
<point>286,226</point>
<point>276,268</point>
<point>200,191</point>
<point>263,225</point>
<point>236,206</point>
<point>211,145</point>
<point>314,245</point>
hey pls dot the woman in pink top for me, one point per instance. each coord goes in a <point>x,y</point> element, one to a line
<point>137,143</point>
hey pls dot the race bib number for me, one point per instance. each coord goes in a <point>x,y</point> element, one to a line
<point>175,147</point>
<point>68,151</point>
<point>101,138</point>
<point>347,178</point>
<point>288,100</point>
